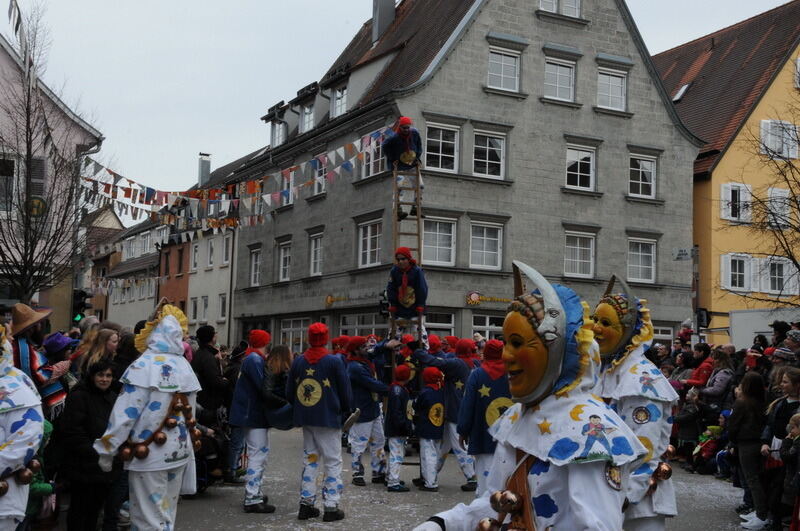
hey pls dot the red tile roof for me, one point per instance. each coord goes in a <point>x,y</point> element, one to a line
<point>728,71</point>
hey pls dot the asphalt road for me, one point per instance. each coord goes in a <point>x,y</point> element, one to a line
<point>704,503</point>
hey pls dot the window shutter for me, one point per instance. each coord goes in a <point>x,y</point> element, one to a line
<point>793,141</point>
<point>766,146</point>
<point>761,276</point>
<point>725,271</point>
<point>752,273</point>
<point>779,207</point>
<point>725,201</point>
<point>745,197</point>
<point>37,177</point>
<point>793,276</point>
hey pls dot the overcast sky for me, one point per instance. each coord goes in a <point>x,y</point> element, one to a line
<point>164,80</point>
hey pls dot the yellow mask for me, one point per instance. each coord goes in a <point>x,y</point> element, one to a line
<point>525,355</point>
<point>608,330</point>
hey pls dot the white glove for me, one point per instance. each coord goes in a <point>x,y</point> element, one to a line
<point>428,526</point>
<point>106,462</point>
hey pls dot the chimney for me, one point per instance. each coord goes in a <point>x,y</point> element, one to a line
<point>203,169</point>
<point>382,17</point>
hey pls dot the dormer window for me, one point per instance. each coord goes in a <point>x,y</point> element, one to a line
<point>278,133</point>
<point>569,8</point>
<point>339,101</point>
<point>306,118</point>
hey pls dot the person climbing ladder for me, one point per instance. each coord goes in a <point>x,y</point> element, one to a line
<point>403,151</point>
<point>407,292</point>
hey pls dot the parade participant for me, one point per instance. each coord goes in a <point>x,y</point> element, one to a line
<point>407,292</point>
<point>537,477</point>
<point>368,431</point>
<point>27,326</point>
<point>641,395</point>
<point>399,426</point>
<point>206,365</point>
<point>403,150</point>
<point>486,397</point>
<point>249,412</point>
<point>449,344</point>
<point>456,371</point>
<point>21,431</point>
<point>152,424</point>
<point>319,391</point>
<point>428,425</point>
<point>435,346</point>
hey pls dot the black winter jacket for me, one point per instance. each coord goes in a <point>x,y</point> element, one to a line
<point>746,422</point>
<point>208,371</point>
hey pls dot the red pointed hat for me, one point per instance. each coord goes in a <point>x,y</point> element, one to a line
<point>434,343</point>
<point>318,335</point>
<point>465,347</point>
<point>405,251</point>
<point>405,120</point>
<point>258,338</point>
<point>356,342</point>
<point>493,350</point>
<point>402,372</point>
<point>432,375</point>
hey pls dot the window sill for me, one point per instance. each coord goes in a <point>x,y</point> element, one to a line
<point>193,271</point>
<point>370,269</point>
<point>372,178</point>
<point>178,275</point>
<point>466,177</point>
<point>283,208</point>
<point>562,103</point>
<point>467,270</point>
<point>222,266</point>
<point>736,222</point>
<point>311,278</point>
<point>558,17</point>
<point>316,197</point>
<point>584,280</point>
<point>613,112</point>
<point>644,200</point>
<point>252,288</point>
<point>508,93</point>
<point>209,268</point>
<point>576,191</point>
<point>219,321</point>
<point>644,284</point>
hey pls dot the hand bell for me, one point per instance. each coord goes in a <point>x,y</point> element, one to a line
<point>160,438</point>
<point>24,476</point>
<point>141,451</point>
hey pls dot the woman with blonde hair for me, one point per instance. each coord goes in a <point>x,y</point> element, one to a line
<point>104,346</point>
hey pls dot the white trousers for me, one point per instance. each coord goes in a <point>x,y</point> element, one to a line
<point>649,523</point>
<point>154,498</point>
<point>257,441</point>
<point>429,459</point>
<point>409,181</point>
<point>9,523</point>
<point>397,454</point>
<point>482,464</point>
<point>423,333</point>
<point>361,435</point>
<point>322,444</point>
<point>450,442</point>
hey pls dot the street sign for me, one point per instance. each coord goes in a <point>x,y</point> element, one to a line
<point>681,254</point>
<point>36,206</point>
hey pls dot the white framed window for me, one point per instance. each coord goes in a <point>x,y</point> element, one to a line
<point>7,173</point>
<point>193,307</point>
<point>278,133</point>
<point>129,248</point>
<point>195,256</point>
<point>223,306</point>
<point>775,275</point>
<point>162,235</point>
<point>441,324</point>
<point>779,208</point>
<point>141,285</point>
<point>319,174</point>
<point>503,69</point>
<point>735,202</point>
<point>580,167</point>
<point>339,101</point>
<point>439,242</point>
<point>284,261</point>
<point>293,333</point>
<point>642,176</point>
<point>441,149</point>
<point>559,79</point>
<point>374,161</point>
<point>204,308</point>
<point>489,153</point>
<point>641,260</point>
<point>210,252</point>
<point>486,246</point>
<point>612,89</point>
<point>363,324</point>
<point>287,189</point>
<point>315,254</point>
<point>227,244</point>
<point>570,8</point>
<point>369,243</point>
<point>489,326</point>
<point>255,267</point>
<point>779,139</point>
<point>740,272</point>
<point>579,254</point>
<point>306,118</point>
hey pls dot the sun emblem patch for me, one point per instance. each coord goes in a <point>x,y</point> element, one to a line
<point>496,408</point>
<point>309,392</point>
<point>436,414</point>
<point>641,415</point>
<point>613,476</point>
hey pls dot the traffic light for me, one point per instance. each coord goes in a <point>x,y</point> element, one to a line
<point>79,304</point>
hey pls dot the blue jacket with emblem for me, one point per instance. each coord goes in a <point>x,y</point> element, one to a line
<point>247,407</point>
<point>456,372</point>
<point>429,413</point>
<point>319,393</point>
<point>485,400</point>
<point>395,145</point>
<point>416,282</point>
<point>366,389</point>
<point>398,423</point>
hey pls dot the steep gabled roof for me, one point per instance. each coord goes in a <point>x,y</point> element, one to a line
<point>728,72</point>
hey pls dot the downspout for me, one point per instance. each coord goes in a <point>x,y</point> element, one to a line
<point>230,284</point>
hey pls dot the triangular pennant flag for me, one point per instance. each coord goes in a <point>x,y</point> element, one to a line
<point>267,199</point>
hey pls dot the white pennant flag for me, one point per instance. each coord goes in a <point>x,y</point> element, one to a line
<point>267,199</point>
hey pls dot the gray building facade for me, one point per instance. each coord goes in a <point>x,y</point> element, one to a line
<point>548,139</point>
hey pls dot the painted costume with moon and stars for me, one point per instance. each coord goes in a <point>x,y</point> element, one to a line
<point>540,438</point>
<point>148,387</point>
<point>21,429</point>
<point>643,397</point>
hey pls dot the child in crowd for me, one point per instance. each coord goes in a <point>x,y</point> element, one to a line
<point>724,465</point>
<point>429,425</point>
<point>399,426</point>
<point>703,456</point>
<point>686,420</point>
<point>790,450</point>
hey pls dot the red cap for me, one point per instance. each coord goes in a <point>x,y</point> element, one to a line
<point>434,343</point>
<point>405,120</point>
<point>318,335</point>
<point>356,342</point>
<point>432,375</point>
<point>407,338</point>
<point>493,350</point>
<point>452,341</point>
<point>405,251</point>
<point>402,373</point>
<point>340,342</point>
<point>465,347</point>
<point>259,338</point>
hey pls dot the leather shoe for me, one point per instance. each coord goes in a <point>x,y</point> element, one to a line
<point>261,507</point>
<point>307,511</point>
<point>333,515</point>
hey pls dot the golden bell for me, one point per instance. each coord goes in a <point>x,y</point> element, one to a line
<point>24,476</point>
<point>187,408</point>
<point>196,434</point>
<point>197,445</point>
<point>488,524</point>
<point>191,423</point>
<point>510,502</point>
<point>35,465</point>
<point>171,422</point>
<point>160,438</point>
<point>494,501</point>
<point>126,454</point>
<point>3,488</point>
<point>663,472</point>
<point>669,453</point>
<point>141,451</point>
